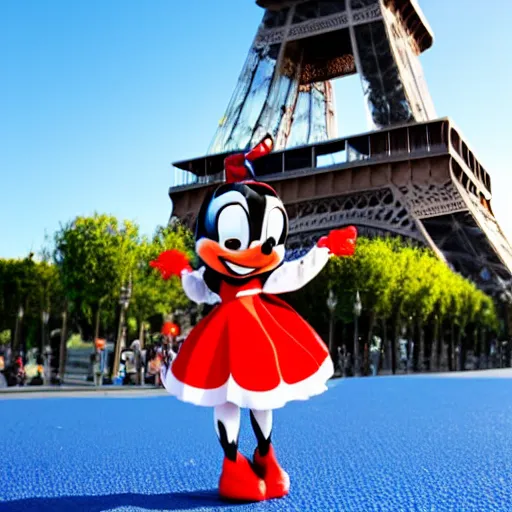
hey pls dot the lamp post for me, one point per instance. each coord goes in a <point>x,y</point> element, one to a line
<point>17,333</point>
<point>45,317</point>
<point>63,347</point>
<point>332,302</point>
<point>124,301</point>
<point>410,354</point>
<point>45,353</point>
<point>358,307</point>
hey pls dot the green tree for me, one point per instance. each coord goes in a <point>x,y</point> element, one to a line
<point>5,337</point>
<point>403,283</point>
<point>95,256</point>
<point>32,286</point>
<point>151,294</point>
<point>422,289</point>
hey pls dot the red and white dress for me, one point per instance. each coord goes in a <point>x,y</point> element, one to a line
<point>253,349</point>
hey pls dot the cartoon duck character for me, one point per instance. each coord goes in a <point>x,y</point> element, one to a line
<point>253,350</point>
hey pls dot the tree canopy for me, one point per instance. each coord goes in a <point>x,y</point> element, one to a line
<point>93,257</point>
<point>397,282</point>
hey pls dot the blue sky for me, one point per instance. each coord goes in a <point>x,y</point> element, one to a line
<point>98,98</point>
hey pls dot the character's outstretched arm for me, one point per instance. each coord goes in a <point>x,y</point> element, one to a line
<point>196,289</point>
<point>175,263</point>
<point>295,274</point>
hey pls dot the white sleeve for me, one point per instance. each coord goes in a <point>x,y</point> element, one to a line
<point>295,274</point>
<point>196,289</point>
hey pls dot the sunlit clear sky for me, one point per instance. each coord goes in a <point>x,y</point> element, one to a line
<point>97,98</point>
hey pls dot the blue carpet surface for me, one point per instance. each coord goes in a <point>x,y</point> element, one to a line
<point>373,444</point>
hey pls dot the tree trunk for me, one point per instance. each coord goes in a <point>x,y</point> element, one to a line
<point>474,347</point>
<point>63,341</point>
<point>396,346</point>
<point>387,347</point>
<point>331,336</point>
<point>371,327</point>
<point>357,348</point>
<point>451,361</point>
<point>434,360</point>
<point>444,364</point>
<point>97,323</point>
<point>141,334</point>
<point>421,351</point>
<point>459,355</point>
<point>482,363</point>
<point>412,346</point>
<point>15,343</point>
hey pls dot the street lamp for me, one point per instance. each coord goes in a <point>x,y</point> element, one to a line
<point>45,317</point>
<point>358,307</point>
<point>17,333</point>
<point>124,301</point>
<point>410,345</point>
<point>332,302</point>
<point>63,348</point>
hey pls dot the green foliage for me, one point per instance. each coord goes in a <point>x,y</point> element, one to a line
<point>151,294</point>
<point>95,256</point>
<point>395,279</point>
<point>5,337</point>
<point>75,341</point>
<point>33,286</point>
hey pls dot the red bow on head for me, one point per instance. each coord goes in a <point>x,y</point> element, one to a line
<point>238,166</point>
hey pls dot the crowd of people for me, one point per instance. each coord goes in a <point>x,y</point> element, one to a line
<point>139,365</point>
<point>12,368</point>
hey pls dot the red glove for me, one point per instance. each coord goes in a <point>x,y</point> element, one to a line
<point>340,242</point>
<point>171,263</point>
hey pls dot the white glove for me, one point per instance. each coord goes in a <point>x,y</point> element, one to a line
<point>196,289</point>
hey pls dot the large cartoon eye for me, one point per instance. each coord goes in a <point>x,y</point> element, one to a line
<point>233,227</point>
<point>275,224</point>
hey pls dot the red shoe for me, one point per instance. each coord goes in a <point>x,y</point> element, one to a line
<point>276,479</point>
<point>239,482</point>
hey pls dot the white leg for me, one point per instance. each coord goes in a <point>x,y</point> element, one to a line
<point>262,425</point>
<point>264,421</point>
<point>227,426</point>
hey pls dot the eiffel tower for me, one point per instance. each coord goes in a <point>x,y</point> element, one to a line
<point>412,175</point>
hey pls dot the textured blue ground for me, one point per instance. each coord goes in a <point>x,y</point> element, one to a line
<point>384,444</point>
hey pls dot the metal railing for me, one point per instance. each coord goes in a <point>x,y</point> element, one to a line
<point>414,140</point>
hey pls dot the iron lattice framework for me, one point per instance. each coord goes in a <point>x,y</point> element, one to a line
<point>412,176</point>
<point>285,87</point>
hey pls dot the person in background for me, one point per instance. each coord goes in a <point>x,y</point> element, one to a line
<point>154,364</point>
<point>99,361</point>
<point>375,354</point>
<point>20,370</point>
<point>137,356</point>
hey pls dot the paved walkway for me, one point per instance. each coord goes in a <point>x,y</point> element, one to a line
<point>373,444</point>
<point>30,392</point>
